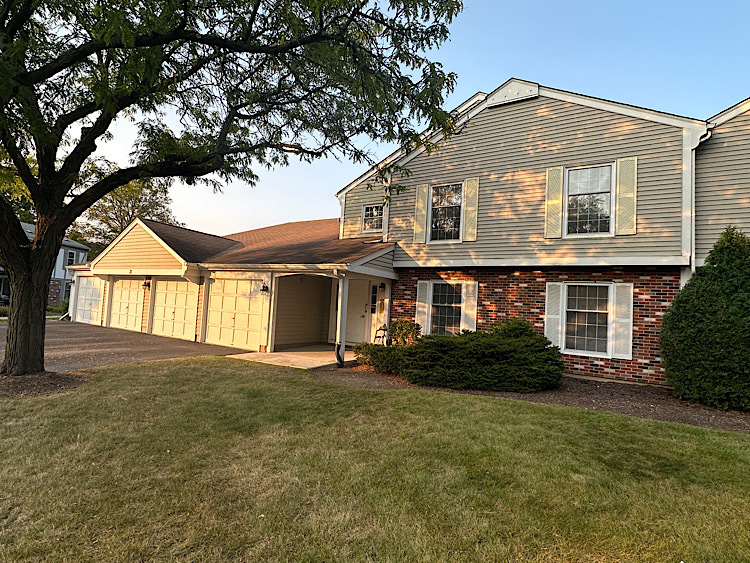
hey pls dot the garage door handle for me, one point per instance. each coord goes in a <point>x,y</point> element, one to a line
<point>173,314</point>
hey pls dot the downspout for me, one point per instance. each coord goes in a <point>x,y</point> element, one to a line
<point>705,137</point>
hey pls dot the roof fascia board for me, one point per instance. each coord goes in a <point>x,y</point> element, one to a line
<point>373,255</point>
<point>364,270</point>
<point>551,261</point>
<point>730,113</point>
<point>267,267</point>
<point>623,109</point>
<point>123,234</point>
<point>164,244</point>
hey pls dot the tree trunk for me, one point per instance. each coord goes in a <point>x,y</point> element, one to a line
<point>29,289</point>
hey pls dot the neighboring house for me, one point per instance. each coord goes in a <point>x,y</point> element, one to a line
<point>582,215</point>
<point>71,252</point>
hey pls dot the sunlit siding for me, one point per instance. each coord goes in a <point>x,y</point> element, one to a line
<point>510,148</point>
<point>722,183</point>
<point>138,249</point>
<point>383,263</point>
<point>355,199</point>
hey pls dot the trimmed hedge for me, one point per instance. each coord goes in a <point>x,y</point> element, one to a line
<point>509,357</point>
<point>705,336</point>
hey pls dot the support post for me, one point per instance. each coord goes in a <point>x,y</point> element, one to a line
<point>343,301</point>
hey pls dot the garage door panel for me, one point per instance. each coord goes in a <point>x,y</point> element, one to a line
<point>127,304</point>
<point>176,308</point>
<point>88,307</point>
<point>234,313</point>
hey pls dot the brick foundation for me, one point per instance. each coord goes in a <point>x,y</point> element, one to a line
<point>509,292</point>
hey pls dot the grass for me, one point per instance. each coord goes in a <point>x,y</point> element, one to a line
<point>216,459</point>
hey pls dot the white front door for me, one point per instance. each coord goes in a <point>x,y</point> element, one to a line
<point>127,304</point>
<point>175,308</point>
<point>358,312</point>
<point>235,309</point>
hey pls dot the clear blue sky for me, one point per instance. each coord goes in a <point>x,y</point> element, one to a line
<point>683,57</point>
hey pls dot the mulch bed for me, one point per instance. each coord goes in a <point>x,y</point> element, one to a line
<point>40,384</point>
<point>642,401</point>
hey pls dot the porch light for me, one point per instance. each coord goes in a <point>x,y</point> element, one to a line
<point>382,286</point>
<point>146,284</point>
<point>264,288</point>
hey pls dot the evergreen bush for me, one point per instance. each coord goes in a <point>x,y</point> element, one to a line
<point>705,336</point>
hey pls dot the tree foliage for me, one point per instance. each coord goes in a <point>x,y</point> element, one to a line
<point>705,337</point>
<point>217,88</point>
<point>109,216</point>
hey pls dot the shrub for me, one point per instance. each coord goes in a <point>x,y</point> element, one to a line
<point>3,310</point>
<point>385,359</point>
<point>404,332</point>
<point>705,332</point>
<point>509,357</point>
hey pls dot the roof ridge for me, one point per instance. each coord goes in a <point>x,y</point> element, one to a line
<point>281,225</point>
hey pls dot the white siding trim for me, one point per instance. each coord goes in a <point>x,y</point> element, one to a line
<point>551,261</point>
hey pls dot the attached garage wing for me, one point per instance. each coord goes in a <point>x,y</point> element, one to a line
<point>88,306</point>
<point>235,311</point>
<point>175,308</point>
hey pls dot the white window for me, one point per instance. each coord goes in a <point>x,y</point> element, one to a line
<point>590,319</point>
<point>445,308</point>
<point>71,257</point>
<point>587,318</point>
<point>589,195</point>
<point>372,218</point>
<point>446,204</point>
<point>66,292</point>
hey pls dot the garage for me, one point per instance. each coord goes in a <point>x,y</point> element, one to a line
<point>235,312</point>
<point>127,303</point>
<point>88,305</point>
<point>175,308</point>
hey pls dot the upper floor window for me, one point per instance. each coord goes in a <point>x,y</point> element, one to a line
<point>372,218</point>
<point>588,201</point>
<point>71,258</point>
<point>445,212</point>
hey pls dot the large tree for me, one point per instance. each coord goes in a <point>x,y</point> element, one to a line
<point>217,89</point>
<point>108,217</point>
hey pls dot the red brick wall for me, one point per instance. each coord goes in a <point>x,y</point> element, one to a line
<point>55,293</point>
<point>509,292</point>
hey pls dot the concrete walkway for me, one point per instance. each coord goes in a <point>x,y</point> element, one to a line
<point>305,358</point>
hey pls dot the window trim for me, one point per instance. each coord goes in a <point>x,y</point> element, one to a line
<point>428,226</point>
<point>362,218</point>
<point>610,320</point>
<point>612,196</point>
<point>71,254</point>
<point>431,294</point>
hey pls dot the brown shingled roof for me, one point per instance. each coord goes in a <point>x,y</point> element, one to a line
<point>302,242</point>
<point>192,246</point>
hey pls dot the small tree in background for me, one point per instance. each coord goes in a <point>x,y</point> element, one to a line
<point>705,338</point>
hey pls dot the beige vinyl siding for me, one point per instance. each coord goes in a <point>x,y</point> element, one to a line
<point>355,199</point>
<point>510,148</point>
<point>383,263</point>
<point>302,310</point>
<point>722,183</point>
<point>138,249</point>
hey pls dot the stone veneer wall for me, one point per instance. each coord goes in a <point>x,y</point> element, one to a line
<point>55,293</point>
<point>509,292</point>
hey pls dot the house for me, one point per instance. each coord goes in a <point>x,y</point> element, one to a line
<point>71,252</point>
<point>584,216</point>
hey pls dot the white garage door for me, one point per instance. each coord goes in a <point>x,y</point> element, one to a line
<point>127,303</point>
<point>88,307</point>
<point>234,313</point>
<point>175,308</point>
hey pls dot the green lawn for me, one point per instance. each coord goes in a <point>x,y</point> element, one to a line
<point>216,459</point>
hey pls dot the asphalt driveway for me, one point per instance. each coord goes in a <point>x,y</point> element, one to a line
<point>70,346</point>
